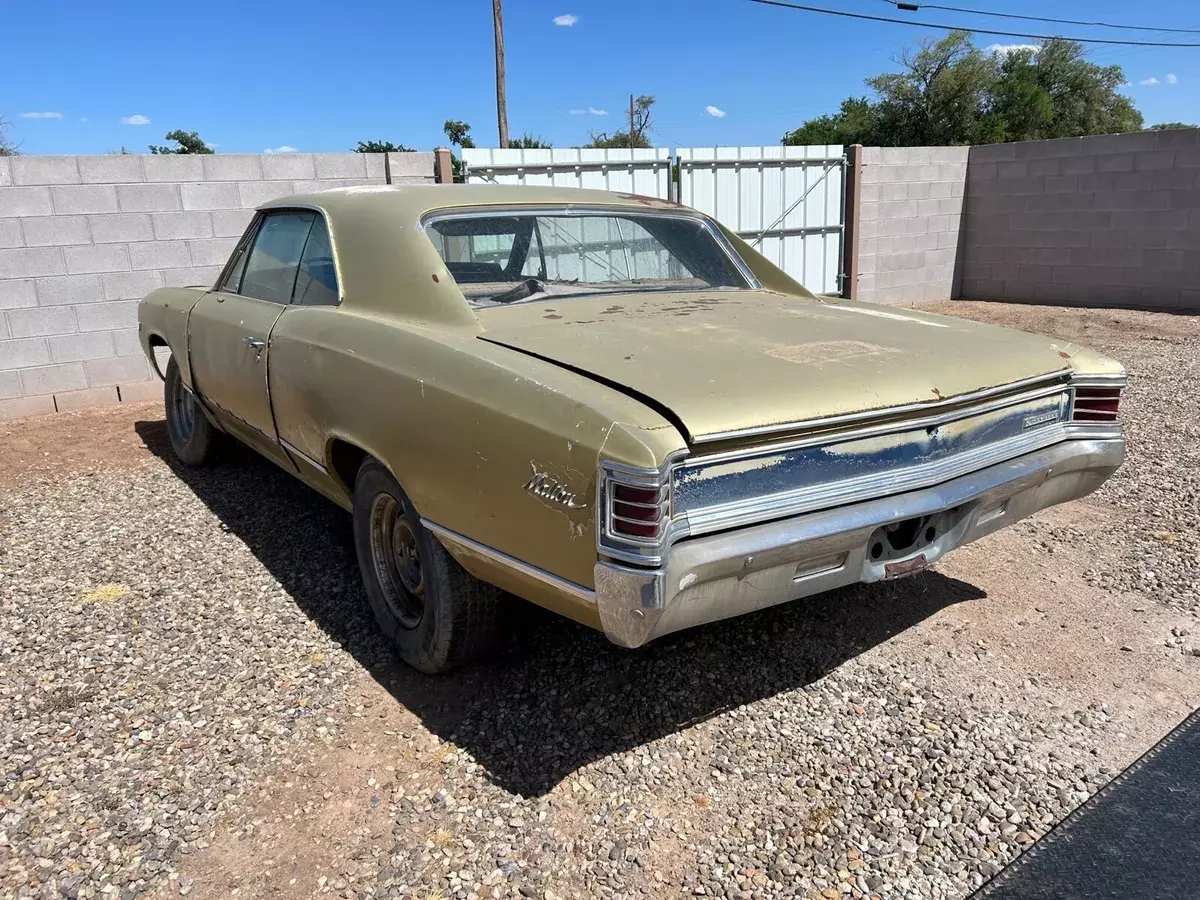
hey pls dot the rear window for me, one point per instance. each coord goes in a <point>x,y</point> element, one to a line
<point>511,258</point>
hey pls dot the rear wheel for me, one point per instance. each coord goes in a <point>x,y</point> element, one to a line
<point>193,438</point>
<point>435,613</point>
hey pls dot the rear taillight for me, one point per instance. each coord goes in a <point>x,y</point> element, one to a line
<point>1096,404</point>
<point>637,511</point>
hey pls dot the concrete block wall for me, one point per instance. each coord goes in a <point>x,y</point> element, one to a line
<point>1110,220</point>
<point>910,215</point>
<point>83,238</point>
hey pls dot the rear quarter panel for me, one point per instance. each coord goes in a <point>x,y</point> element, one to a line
<point>463,425</point>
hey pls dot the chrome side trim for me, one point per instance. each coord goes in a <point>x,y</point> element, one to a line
<point>293,450</point>
<point>271,438</point>
<point>1100,380</point>
<point>876,485</point>
<point>577,591</point>
<point>1060,377</point>
<point>870,430</point>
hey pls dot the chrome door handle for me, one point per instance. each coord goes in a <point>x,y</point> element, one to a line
<point>254,342</point>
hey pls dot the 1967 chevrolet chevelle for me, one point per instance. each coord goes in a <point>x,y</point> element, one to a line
<point>611,406</point>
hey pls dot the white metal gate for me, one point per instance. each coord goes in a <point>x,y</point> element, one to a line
<point>646,172</point>
<point>787,202</point>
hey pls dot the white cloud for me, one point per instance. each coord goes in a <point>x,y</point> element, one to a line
<point>590,111</point>
<point>1146,82</point>
<point>41,115</point>
<point>1171,79</point>
<point>715,112</point>
<point>135,120</point>
<point>84,119</point>
<point>284,149</point>
<point>1005,49</point>
<point>565,21</point>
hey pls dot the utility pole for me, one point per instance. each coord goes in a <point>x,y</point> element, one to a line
<point>630,117</point>
<point>501,102</point>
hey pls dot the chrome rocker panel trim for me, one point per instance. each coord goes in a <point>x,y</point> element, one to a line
<point>461,545</point>
<point>706,579</point>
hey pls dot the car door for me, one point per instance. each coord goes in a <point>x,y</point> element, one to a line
<point>297,370</point>
<point>230,327</point>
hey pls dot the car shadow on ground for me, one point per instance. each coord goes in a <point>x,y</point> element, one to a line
<point>559,695</point>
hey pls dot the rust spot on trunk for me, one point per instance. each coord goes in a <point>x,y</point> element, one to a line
<point>436,280</point>
<point>938,394</point>
<point>824,351</point>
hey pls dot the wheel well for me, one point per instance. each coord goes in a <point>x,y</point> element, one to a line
<point>346,460</point>
<point>156,343</point>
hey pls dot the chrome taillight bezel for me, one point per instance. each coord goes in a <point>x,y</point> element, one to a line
<point>617,535</point>
<point>1096,401</point>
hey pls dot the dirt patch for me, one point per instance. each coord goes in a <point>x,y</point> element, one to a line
<point>72,443</point>
<point>1090,327</point>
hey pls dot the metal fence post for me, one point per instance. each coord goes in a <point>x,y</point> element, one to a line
<point>851,221</point>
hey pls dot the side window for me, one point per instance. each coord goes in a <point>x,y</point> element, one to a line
<point>233,278</point>
<point>316,285</point>
<point>273,263</point>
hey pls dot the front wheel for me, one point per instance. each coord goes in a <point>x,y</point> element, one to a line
<point>193,437</point>
<point>437,615</point>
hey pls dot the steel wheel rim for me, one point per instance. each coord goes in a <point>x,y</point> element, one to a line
<point>397,560</point>
<point>182,420</point>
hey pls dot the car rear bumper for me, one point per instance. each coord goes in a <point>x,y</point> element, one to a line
<point>715,577</point>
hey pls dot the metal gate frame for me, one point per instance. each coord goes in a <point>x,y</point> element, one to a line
<point>755,237</point>
<point>650,172</point>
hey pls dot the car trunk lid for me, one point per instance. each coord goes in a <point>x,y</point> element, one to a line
<point>730,363</point>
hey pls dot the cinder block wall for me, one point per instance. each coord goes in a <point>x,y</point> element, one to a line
<point>911,216</point>
<point>83,238</point>
<point>1112,220</point>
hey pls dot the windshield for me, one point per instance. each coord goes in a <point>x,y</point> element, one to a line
<point>508,258</point>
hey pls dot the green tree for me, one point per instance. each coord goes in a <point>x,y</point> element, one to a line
<point>186,141</point>
<point>7,147</point>
<point>458,133</point>
<point>949,92</point>
<point>381,147</point>
<point>620,139</point>
<point>1169,126</point>
<point>854,123</point>
<point>529,141</point>
<point>1057,93</point>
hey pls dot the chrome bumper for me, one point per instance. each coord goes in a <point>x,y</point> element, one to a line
<point>715,577</point>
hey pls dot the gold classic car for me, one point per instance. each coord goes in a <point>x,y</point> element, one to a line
<point>611,406</point>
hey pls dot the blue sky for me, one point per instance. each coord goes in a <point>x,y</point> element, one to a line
<point>316,75</point>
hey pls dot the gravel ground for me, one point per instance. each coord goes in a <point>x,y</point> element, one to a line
<point>194,700</point>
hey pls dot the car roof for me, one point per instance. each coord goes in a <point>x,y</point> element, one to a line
<point>408,203</point>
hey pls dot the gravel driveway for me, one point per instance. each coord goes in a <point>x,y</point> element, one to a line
<point>194,700</point>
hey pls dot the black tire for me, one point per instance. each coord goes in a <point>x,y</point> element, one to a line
<point>437,615</point>
<point>193,437</point>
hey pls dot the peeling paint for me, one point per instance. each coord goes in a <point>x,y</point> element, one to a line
<point>825,351</point>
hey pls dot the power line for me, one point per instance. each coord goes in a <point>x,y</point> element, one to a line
<point>900,4</point>
<point>1018,34</point>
